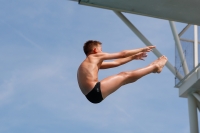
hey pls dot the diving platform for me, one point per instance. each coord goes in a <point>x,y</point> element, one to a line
<point>186,11</point>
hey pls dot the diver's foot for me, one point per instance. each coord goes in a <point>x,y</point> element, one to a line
<point>160,63</point>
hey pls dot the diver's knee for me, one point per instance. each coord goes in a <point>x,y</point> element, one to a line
<point>127,77</point>
<point>124,74</point>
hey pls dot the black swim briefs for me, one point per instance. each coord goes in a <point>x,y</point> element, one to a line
<point>95,96</point>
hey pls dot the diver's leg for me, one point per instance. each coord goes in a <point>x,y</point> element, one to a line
<point>112,83</point>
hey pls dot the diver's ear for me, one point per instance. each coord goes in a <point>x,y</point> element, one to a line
<point>95,50</point>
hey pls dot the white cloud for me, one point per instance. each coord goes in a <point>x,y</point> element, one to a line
<point>28,40</point>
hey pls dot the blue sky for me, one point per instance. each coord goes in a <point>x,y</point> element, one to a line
<point>40,50</point>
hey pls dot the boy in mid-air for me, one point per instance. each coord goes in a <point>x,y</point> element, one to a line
<point>95,90</point>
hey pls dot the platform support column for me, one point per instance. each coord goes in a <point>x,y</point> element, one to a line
<point>179,47</point>
<point>193,116</point>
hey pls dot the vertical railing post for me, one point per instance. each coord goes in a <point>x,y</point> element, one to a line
<point>195,45</point>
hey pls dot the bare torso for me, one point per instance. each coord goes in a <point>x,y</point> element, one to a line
<point>87,74</point>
